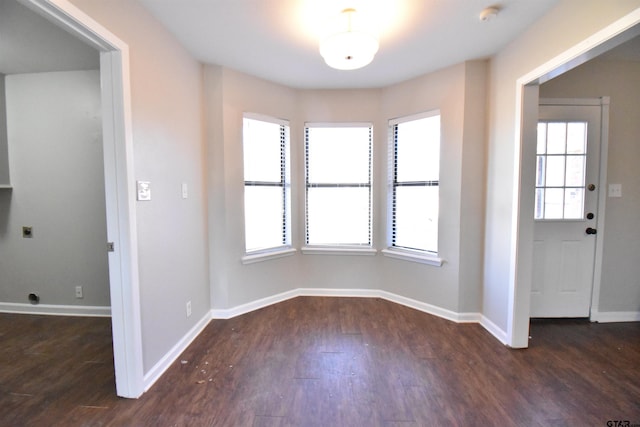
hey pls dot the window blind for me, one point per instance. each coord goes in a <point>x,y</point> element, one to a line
<point>414,165</point>
<point>338,184</point>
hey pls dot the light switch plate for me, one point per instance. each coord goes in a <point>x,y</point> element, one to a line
<point>615,190</point>
<point>144,190</point>
<point>185,190</point>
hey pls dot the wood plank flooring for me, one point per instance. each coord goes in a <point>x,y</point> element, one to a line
<point>314,361</point>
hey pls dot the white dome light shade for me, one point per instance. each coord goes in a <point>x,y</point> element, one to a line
<point>348,48</point>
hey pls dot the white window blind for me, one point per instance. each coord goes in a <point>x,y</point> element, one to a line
<point>338,184</point>
<point>266,183</point>
<point>414,182</point>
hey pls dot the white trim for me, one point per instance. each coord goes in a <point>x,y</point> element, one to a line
<point>55,310</point>
<point>429,308</point>
<point>413,257</point>
<point>337,250</point>
<point>6,187</point>
<point>338,124</point>
<point>519,261</point>
<point>412,117</point>
<point>494,330</point>
<point>66,15</point>
<point>615,316</point>
<point>252,258</point>
<point>121,224</point>
<point>252,306</point>
<point>119,188</point>
<point>165,363</point>
<point>572,102</point>
<point>265,118</point>
<point>347,293</point>
<point>602,205</point>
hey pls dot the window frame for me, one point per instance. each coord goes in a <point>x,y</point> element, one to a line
<point>338,248</point>
<point>565,157</point>
<point>286,248</point>
<point>392,250</point>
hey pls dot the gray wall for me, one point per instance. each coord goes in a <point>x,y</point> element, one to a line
<point>55,148</point>
<point>620,288</point>
<point>458,92</point>
<point>168,150</point>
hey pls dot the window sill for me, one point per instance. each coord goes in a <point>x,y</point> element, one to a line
<point>413,257</point>
<point>337,250</point>
<point>267,255</point>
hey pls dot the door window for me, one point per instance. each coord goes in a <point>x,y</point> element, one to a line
<point>560,170</point>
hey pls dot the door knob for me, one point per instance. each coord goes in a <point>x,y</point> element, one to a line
<point>590,230</point>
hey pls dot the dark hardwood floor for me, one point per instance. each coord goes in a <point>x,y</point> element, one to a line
<point>327,362</point>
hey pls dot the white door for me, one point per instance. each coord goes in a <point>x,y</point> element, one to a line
<point>567,170</point>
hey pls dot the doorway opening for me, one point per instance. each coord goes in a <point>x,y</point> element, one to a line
<point>528,96</point>
<point>119,184</point>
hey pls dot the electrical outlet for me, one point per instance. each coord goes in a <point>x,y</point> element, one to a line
<point>188,308</point>
<point>615,190</point>
<point>79,292</point>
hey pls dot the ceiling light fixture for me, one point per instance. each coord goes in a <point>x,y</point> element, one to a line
<point>348,46</point>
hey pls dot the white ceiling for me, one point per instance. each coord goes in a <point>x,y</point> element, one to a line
<point>278,39</point>
<point>31,44</point>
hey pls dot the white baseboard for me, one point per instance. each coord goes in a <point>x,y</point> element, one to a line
<point>252,306</point>
<point>55,310</point>
<point>494,330</point>
<point>352,293</point>
<point>430,309</point>
<point>615,316</point>
<point>163,364</point>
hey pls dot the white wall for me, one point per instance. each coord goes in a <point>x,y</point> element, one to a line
<point>561,29</point>
<point>459,94</point>
<point>168,142</point>
<point>620,288</point>
<point>55,146</point>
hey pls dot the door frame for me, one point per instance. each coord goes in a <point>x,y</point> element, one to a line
<point>527,100</point>
<point>119,184</point>
<point>603,104</point>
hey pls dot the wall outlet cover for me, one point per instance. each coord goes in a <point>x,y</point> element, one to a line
<point>144,190</point>
<point>615,190</point>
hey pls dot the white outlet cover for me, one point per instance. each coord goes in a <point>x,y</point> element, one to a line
<point>185,190</point>
<point>615,190</point>
<point>144,190</point>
